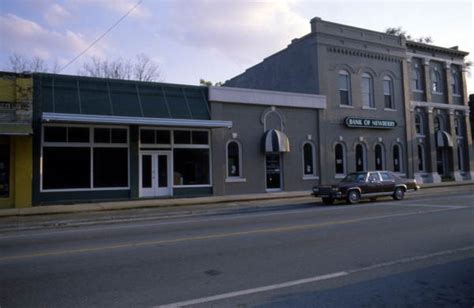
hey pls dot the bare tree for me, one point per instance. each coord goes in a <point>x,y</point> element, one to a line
<point>400,32</point>
<point>19,64</point>
<point>142,68</point>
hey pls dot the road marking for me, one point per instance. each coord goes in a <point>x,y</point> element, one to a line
<point>212,236</point>
<point>293,283</point>
<point>442,206</point>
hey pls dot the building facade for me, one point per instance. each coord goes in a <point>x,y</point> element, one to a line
<point>416,92</point>
<point>337,100</point>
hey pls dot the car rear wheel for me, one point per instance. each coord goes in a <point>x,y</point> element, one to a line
<point>328,200</point>
<point>399,193</point>
<point>353,197</point>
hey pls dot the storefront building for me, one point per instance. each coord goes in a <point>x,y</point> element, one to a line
<point>391,104</point>
<point>15,140</point>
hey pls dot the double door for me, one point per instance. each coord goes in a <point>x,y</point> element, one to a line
<point>155,174</point>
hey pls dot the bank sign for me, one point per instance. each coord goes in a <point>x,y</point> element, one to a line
<point>369,123</point>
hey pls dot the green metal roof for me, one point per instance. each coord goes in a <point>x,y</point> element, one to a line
<point>100,96</point>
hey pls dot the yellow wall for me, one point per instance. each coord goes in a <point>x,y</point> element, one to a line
<point>18,90</point>
<point>21,173</point>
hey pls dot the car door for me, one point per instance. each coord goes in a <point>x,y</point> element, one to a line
<point>373,184</point>
<point>388,182</point>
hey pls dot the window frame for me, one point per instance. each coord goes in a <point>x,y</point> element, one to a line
<point>420,124</point>
<point>348,90</point>
<point>400,158</point>
<point>436,82</point>
<point>382,156</point>
<point>230,178</point>
<point>91,144</point>
<point>170,147</point>
<point>417,84</point>
<point>456,82</point>
<point>313,175</point>
<point>344,160</point>
<point>390,94</point>
<point>364,157</point>
<point>370,93</point>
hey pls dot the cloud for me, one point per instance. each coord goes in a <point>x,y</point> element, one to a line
<point>29,38</point>
<point>242,30</point>
<point>55,15</point>
<point>118,6</point>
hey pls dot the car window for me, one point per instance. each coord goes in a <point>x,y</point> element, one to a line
<point>374,177</point>
<point>354,178</point>
<point>386,176</point>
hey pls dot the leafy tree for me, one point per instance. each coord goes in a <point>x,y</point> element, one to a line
<point>208,83</point>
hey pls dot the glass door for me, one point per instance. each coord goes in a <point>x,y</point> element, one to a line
<point>273,172</point>
<point>155,172</point>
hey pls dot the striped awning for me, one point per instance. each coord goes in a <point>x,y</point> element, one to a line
<point>443,139</point>
<point>275,141</point>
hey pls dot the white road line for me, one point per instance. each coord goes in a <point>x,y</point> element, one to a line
<point>442,206</point>
<point>293,283</point>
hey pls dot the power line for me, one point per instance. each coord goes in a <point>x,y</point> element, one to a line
<point>101,36</point>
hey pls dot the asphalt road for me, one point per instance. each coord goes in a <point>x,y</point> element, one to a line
<point>415,253</point>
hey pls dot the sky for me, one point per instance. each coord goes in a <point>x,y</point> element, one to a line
<point>210,39</point>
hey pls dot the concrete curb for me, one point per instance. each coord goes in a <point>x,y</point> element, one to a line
<point>157,203</point>
<point>152,203</point>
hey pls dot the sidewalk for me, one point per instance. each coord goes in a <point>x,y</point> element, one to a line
<point>173,202</point>
<point>154,209</point>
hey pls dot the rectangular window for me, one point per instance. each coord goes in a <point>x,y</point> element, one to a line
<point>163,137</point>
<point>367,100</point>
<point>191,167</point>
<point>182,137</point>
<point>344,87</point>
<point>387,92</point>
<point>147,136</point>
<point>71,160</point>
<point>4,170</point>
<point>66,167</point>
<point>110,167</point>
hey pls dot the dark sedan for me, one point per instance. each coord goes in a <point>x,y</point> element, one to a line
<point>366,185</point>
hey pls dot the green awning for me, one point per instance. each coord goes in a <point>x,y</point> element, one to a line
<point>15,129</point>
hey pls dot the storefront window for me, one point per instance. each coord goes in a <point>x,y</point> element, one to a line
<point>4,170</point>
<point>396,158</point>
<point>71,160</point>
<point>421,158</point>
<point>191,167</point>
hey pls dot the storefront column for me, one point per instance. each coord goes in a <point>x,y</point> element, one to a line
<point>410,133</point>
<point>23,169</point>
<point>431,153</point>
<point>134,162</point>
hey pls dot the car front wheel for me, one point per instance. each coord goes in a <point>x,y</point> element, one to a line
<point>353,197</point>
<point>399,193</point>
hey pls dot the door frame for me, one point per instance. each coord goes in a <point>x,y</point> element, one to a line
<point>155,187</point>
<point>281,173</point>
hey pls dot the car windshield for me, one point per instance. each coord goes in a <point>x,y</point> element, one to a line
<point>354,178</point>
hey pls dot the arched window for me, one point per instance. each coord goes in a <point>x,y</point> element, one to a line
<point>379,157</point>
<point>388,92</point>
<point>416,82</point>
<point>344,88</point>
<point>309,159</point>
<point>418,124</point>
<point>360,157</point>
<point>455,82</point>
<point>340,159</point>
<point>421,158</point>
<point>234,165</point>
<point>436,81</point>
<point>367,91</point>
<point>397,158</point>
